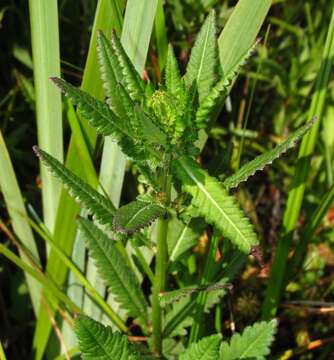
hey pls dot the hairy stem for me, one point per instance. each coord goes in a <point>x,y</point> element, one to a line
<point>160,266</point>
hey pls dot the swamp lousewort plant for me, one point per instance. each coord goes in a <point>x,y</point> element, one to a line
<point>158,129</point>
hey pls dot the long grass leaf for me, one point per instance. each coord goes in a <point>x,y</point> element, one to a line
<point>18,215</point>
<point>45,49</point>
<point>240,31</point>
<point>40,277</point>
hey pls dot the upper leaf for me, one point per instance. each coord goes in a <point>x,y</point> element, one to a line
<point>114,269</point>
<point>217,95</point>
<point>253,343</point>
<point>100,206</point>
<point>104,120</point>
<point>97,341</point>
<point>203,62</point>
<point>111,74</point>
<point>215,204</point>
<point>174,83</point>
<point>96,112</point>
<point>261,161</point>
<point>206,349</point>
<point>136,215</point>
<point>131,79</point>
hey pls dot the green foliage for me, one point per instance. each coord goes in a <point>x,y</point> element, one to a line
<point>97,204</point>
<point>250,168</point>
<point>205,349</point>
<point>215,204</point>
<point>100,342</point>
<point>130,78</point>
<point>203,63</point>
<point>114,269</point>
<point>136,215</point>
<point>157,129</point>
<point>253,343</point>
<point>214,100</point>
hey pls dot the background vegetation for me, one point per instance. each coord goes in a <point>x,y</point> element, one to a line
<point>284,84</point>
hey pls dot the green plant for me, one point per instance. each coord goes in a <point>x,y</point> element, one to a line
<point>158,130</point>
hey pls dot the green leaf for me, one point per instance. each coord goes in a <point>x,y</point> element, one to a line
<point>183,237</point>
<point>111,74</point>
<point>261,161</point>
<point>170,297</point>
<point>136,215</point>
<point>217,95</point>
<point>151,133</point>
<point>253,343</point>
<point>203,62</point>
<point>96,112</point>
<point>96,203</point>
<point>97,341</point>
<point>215,204</point>
<point>205,349</point>
<point>174,83</point>
<point>105,120</point>
<point>131,79</point>
<point>114,270</point>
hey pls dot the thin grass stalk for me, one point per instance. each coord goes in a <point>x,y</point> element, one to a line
<point>40,277</point>
<point>45,50</point>
<point>296,194</point>
<point>18,215</point>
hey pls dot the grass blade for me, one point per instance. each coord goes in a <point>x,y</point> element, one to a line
<point>45,49</point>
<point>296,194</point>
<point>40,277</point>
<point>18,215</point>
<point>240,31</point>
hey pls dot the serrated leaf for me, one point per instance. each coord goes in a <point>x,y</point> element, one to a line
<point>131,80</point>
<point>97,341</point>
<point>205,349</point>
<point>203,62</point>
<point>170,297</point>
<point>114,269</point>
<point>183,237</point>
<point>96,112</point>
<point>261,161</point>
<point>253,343</point>
<point>111,73</point>
<point>105,120</point>
<point>137,215</point>
<point>151,133</point>
<point>215,204</point>
<point>94,202</point>
<point>217,94</point>
<point>174,83</point>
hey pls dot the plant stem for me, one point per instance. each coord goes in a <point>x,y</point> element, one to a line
<point>160,266</point>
